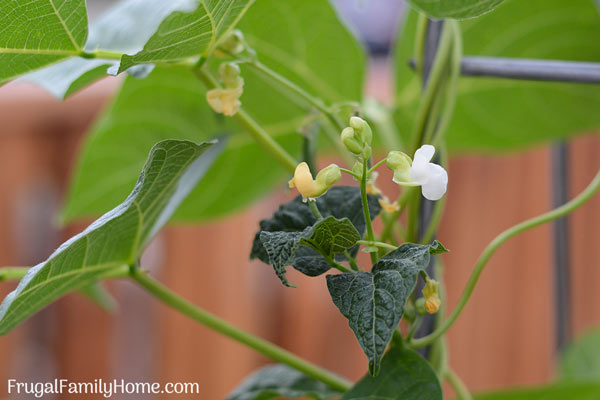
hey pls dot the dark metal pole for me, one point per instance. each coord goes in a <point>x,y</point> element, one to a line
<point>530,69</point>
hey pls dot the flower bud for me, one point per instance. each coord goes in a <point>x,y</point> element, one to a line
<point>388,207</point>
<point>329,176</point>
<point>229,74</point>
<point>420,306</point>
<point>432,298</point>
<point>311,188</point>
<point>233,43</point>
<point>349,140</point>
<point>357,168</point>
<point>363,129</point>
<point>224,101</point>
<point>400,163</point>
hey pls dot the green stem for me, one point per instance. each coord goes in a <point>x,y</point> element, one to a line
<point>104,54</point>
<point>350,172</point>
<point>351,261</point>
<point>432,88</point>
<point>491,248</point>
<point>374,167</point>
<point>366,212</point>
<point>315,210</point>
<point>420,34</point>
<point>12,273</point>
<point>461,390</point>
<point>377,244</point>
<point>255,130</point>
<point>210,321</point>
<point>413,328</point>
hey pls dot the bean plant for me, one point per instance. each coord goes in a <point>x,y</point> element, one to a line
<point>223,100</point>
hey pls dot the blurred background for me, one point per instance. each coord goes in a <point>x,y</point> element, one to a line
<point>505,337</point>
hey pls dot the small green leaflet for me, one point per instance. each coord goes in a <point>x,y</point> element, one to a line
<point>36,33</point>
<point>405,375</point>
<point>560,391</point>
<point>279,380</point>
<point>117,239</point>
<point>373,302</point>
<point>328,236</point>
<point>457,9</point>
<point>189,34</point>
<point>295,216</point>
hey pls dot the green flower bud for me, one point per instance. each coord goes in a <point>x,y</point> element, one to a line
<point>229,74</point>
<point>400,163</point>
<point>329,175</point>
<point>363,129</point>
<point>357,168</point>
<point>420,306</point>
<point>349,140</point>
<point>233,43</point>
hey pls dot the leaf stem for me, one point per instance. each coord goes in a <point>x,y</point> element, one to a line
<point>255,130</point>
<point>366,212</point>
<point>209,320</point>
<point>461,390</point>
<point>374,167</point>
<point>350,172</point>
<point>12,273</point>
<point>377,244</point>
<point>491,248</point>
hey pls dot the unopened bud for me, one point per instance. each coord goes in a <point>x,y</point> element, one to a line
<point>388,207</point>
<point>349,140</point>
<point>329,176</point>
<point>400,163</point>
<point>229,74</point>
<point>233,43</point>
<point>311,188</point>
<point>432,298</point>
<point>363,129</point>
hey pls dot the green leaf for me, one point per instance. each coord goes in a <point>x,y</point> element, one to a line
<point>405,375</point>
<point>373,302</point>
<point>117,239</point>
<point>170,103</point>
<point>561,391</point>
<point>329,236</point>
<point>276,381</point>
<point>189,34</point>
<point>494,114</point>
<point>137,21</point>
<point>458,9</point>
<point>581,359</point>
<point>37,33</point>
<point>295,216</point>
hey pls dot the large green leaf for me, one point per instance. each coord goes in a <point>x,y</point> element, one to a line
<point>373,302</point>
<point>295,216</point>
<point>581,359</point>
<point>36,33</point>
<point>455,8</point>
<point>118,237</point>
<point>405,375</point>
<point>188,34</point>
<point>502,114</point>
<point>137,21</point>
<point>277,381</point>
<point>169,103</point>
<point>562,391</point>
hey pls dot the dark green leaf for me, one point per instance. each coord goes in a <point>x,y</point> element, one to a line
<point>405,375</point>
<point>170,103</point>
<point>295,216</point>
<point>137,20</point>
<point>187,34</point>
<point>276,381</point>
<point>116,239</point>
<point>373,302</point>
<point>329,236</point>
<point>561,391</point>
<point>581,359</point>
<point>37,33</point>
<point>455,8</point>
<point>504,114</point>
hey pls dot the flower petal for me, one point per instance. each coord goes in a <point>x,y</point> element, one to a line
<point>436,184</point>
<point>419,172</point>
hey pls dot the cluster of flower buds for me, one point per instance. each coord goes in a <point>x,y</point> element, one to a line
<point>358,137</point>
<point>310,188</point>
<point>227,100</point>
<point>432,178</point>
<point>233,43</point>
